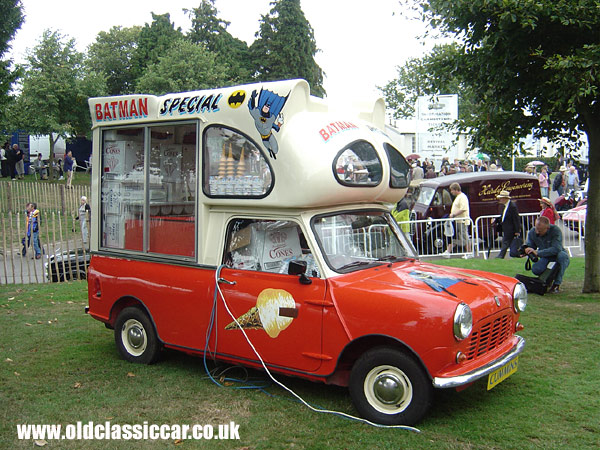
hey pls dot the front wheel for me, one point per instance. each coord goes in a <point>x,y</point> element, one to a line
<point>389,387</point>
<point>135,337</point>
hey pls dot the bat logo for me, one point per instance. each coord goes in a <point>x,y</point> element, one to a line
<point>236,99</point>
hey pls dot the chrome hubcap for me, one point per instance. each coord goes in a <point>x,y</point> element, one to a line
<point>388,389</point>
<point>136,337</point>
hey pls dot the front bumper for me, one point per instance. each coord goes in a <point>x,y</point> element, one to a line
<point>470,377</point>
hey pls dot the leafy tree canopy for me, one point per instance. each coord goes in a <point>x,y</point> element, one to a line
<point>112,55</point>
<point>154,41</point>
<point>186,67</point>
<point>55,89</point>
<point>285,46</point>
<point>532,65</point>
<point>11,12</point>
<point>211,31</point>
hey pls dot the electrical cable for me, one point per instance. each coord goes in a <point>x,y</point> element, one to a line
<point>300,399</point>
<point>212,321</point>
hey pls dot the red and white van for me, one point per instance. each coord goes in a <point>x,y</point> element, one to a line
<point>267,202</point>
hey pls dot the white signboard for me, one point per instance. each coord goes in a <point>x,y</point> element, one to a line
<point>433,140</point>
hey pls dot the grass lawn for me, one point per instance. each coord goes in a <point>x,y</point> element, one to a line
<point>59,366</point>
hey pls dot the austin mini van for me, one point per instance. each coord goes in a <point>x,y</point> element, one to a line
<point>258,214</point>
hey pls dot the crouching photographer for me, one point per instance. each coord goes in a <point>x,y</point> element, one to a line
<point>545,244</point>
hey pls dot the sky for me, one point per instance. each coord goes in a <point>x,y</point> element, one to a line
<point>361,42</point>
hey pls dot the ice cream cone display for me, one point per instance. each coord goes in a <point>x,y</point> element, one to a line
<point>274,311</point>
<point>230,163</point>
<point>241,167</point>
<point>223,163</point>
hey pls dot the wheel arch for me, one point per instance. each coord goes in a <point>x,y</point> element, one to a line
<point>126,302</point>
<point>356,348</point>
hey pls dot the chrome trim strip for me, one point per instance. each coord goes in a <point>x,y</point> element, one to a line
<point>441,383</point>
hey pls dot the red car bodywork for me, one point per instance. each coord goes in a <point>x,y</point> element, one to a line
<point>342,314</point>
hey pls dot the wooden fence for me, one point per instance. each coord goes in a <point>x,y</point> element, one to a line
<point>64,253</point>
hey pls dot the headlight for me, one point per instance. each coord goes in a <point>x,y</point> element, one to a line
<point>520,297</point>
<point>463,322</point>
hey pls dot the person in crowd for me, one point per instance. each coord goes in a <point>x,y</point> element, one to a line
<point>572,179</point>
<point>417,172</point>
<point>548,210</point>
<point>459,210</point>
<point>19,161</point>
<point>544,179</point>
<point>68,168</point>
<point>546,242</point>
<point>57,169</point>
<point>493,167</point>
<point>33,228</point>
<point>4,159</point>
<point>509,223</point>
<point>560,182</point>
<point>40,167</point>
<point>480,167</point>
<point>430,172</point>
<point>83,215</point>
<point>11,159</point>
<point>402,214</point>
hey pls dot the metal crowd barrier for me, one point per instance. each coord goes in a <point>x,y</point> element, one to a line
<point>429,237</point>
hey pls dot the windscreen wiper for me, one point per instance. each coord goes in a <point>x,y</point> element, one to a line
<point>356,264</point>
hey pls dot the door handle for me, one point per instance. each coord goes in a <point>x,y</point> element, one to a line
<point>223,280</point>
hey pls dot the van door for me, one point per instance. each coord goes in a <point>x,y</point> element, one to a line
<point>281,316</point>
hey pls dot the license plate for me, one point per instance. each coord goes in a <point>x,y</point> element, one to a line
<point>498,376</point>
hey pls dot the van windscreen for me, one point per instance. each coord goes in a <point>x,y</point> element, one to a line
<point>425,195</point>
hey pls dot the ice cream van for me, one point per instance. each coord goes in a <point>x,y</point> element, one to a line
<point>258,214</point>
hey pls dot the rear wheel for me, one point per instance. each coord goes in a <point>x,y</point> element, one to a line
<point>135,337</point>
<point>389,387</point>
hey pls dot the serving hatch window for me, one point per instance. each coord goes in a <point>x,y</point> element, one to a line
<point>234,166</point>
<point>148,187</point>
<point>358,165</point>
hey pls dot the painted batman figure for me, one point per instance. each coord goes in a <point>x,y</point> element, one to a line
<point>267,117</point>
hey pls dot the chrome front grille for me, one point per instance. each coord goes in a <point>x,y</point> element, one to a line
<point>490,334</point>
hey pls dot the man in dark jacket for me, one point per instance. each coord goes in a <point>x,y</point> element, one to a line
<point>11,158</point>
<point>546,242</point>
<point>509,223</point>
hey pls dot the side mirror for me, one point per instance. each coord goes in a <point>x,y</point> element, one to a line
<point>299,268</point>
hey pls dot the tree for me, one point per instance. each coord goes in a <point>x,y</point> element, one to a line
<point>186,67</point>
<point>535,66</point>
<point>211,31</point>
<point>285,46</point>
<point>112,55</point>
<point>55,90</point>
<point>155,40</point>
<point>11,12</point>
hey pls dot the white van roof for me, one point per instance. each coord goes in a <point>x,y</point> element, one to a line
<point>310,139</point>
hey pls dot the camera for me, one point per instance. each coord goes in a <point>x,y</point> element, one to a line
<point>522,253</point>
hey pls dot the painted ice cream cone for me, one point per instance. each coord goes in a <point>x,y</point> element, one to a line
<point>274,311</point>
<point>248,321</point>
